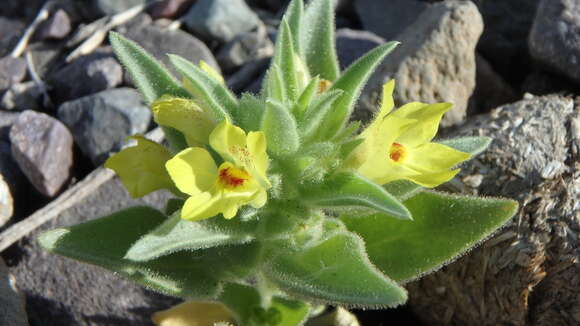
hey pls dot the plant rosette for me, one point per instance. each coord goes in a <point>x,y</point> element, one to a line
<point>281,204</point>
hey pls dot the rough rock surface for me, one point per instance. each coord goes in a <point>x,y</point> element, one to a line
<point>555,37</point>
<point>12,70</point>
<point>10,32</point>
<point>101,122</point>
<point>111,7</point>
<point>159,42</point>
<point>352,44</point>
<point>6,202</point>
<point>12,312</point>
<point>57,27</point>
<point>42,147</point>
<point>249,46</point>
<point>389,18</point>
<point>529,272</point>
<point>86,75</point>
<point>221,20</point>
<point>22,96</point>
<point>435,62</point>
<point>61,291</point>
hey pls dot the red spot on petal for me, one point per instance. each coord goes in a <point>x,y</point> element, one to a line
<point>397,152</point>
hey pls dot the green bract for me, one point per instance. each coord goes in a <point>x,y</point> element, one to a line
<point>311,222</point>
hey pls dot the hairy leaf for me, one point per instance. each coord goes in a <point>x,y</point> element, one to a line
<point>318,40</point>
<point>443,227</point>
<point>472,145</point>
<point>280,128</point>
<point>317,112</point>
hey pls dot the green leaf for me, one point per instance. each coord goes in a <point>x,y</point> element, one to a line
<point>293,313</point>
<point>402,189</point>
<point>218,100</point>
<point>104,241</point>
<point>251,112</point>
<point>294,18</point>
<point>152,79</point>
<point>318,40</point>
<point>273,87</point>
<point>352,82</point>
<point>336,271</point>
<point>173,205</point>
<point>351,189</point>
<point>280,129</point>
<point>285,59</point>
<point>471,145</point>
<point>177,234</point>
<point>305,98</point>
<point>317,112</point>
<point>444,227</point>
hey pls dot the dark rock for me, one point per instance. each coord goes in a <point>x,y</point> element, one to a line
<point>10,32</point>
<point>555,37</point>
<point>24,96</point>
<point>42,147</point>
<point>221,20</point>
<point>352,44</point>
<point>45,56</point>
<point>390,18</point>
<point>504,40</point>
<point>111,7</point>
<point>57,27</point>
<point>544,83</point>
<point>87,75</point>
<point>246,47</point>
<point>170,8</point>
<point>12,312</point>
<point>243,79</point>
<point>12,71</point>
<point>101,122</point>
<point>528,272</point>
<point>61,291</point>
<point>491,90</point>
<point>9,169</point>
<point>434,63</point>
<point>159,42</point>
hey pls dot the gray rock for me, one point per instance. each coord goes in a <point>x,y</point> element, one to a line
<point>159,42</point>
<point>23,96</point>
<point>555,37</point>
<point>86,75</point>
<point>57,27</point>
<point>541,82</point>
<point>352,44</point>
<point>527,273</point>
<point>434,63</point>
<point>170,8</point>
<point>12,71</point>
<point>42,147</point>
<point>61,291</point>
<point>12,312</point>
<point>45,56</point>
<point>101,122</point>
<point>504,41</point>
<point>250,46</point>
<point>111,7</point>
<point>390,18</point>
<point>221,20</point>
<point>10,31</point>
<point>6,202</point>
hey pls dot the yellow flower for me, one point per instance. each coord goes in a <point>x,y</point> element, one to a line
<point>397,145</point>
<point>141,167</point>
<point>193,313</point>
<point>239,180</point>
<point>186,116</point>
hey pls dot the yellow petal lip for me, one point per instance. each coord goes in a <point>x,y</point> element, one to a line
<point>184,115</point>
<point>141,167</point>
<point>213,73</point>
<point>193,313</point>
<point>193,170</point>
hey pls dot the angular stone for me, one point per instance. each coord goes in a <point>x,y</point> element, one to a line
<point>61,291</point>
<point>111,7</point>
<point>221,20</point>
<point>170,8</point>
<point>12,71</point>
<point>42,147</point>
<point>6,202</point>
<point>101,122</point>
<point>57,27</point>
<point>555,37</point>
<point>435,61</point>
<point>10,32</point>
<point>390,18</point>
<point>352,44</point>
<point>160,41</point>
<point>23,96</point>
<point>86,75</point>
<point>12,312</point>
<point>250,46</point>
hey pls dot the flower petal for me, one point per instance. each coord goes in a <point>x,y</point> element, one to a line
<point>433,157</point>
<point>193,313</point>
<point>431,180</point>
<point>211,72</point>
<point>184,115</point>
<point>428,117</point>
<point>256,142</point>
<point>193,170</point>
<point>387,103</point>
<point>141,168</point>
<point>230,142</point>
<point>202,206</point>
